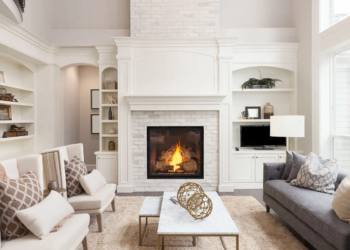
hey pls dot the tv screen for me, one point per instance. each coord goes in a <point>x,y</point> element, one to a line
<point>259,136</point>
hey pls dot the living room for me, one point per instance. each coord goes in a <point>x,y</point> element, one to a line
<point>163,124</point>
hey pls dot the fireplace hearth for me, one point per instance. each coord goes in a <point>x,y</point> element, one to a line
<point>175,152</point>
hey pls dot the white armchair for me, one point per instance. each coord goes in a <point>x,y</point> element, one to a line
<point>84,203</point>
<point>72,233</point>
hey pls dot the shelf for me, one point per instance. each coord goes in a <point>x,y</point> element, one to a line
<point>16,138</point>
<point>251,120</point>
<point>15,121</point>
<point>2,84</point>
<point>109,135</point>
<point>109,105</point>
<point>17,104</point>
<point>109,121</point>
<point>109,90</point>
<point>261,90</point>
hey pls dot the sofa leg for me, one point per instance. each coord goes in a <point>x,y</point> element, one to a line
<point>85,244</point>
<point>113,205</point>
<point>99,222</point>
<point>267,209</point>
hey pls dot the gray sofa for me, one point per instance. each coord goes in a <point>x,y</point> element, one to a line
<point>308,212</point>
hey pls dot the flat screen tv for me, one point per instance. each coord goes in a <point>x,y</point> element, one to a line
<point>259,136</point>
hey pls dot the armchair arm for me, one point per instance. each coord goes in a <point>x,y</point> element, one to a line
<point>273,171</point>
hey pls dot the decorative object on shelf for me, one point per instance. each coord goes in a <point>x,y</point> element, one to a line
<point>111,99</point>
<point>111,144</point>
<point>268,111</point>
<point>262,83</point>
<point>95,99</point>
<point>245,115</point>
<point>111,131</point>
<point>21,4</point>
<point>2,76</point>
<point>110,114</point>
<point>186,191</point>
<point>111,84</point>
<point>5,112</point>
<point>52,185</point>
<point>4,96</point>
<point>253,112</point>
<point>3,91</point>
<point>199,205</point>
<point>95,124</point>
<point>15,131</point>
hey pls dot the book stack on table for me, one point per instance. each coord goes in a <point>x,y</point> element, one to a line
<point>174,199</point>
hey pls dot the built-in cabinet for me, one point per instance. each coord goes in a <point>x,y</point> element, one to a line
<point>107,164</point>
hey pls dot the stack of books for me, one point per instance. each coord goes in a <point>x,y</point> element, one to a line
<point>174,199</point>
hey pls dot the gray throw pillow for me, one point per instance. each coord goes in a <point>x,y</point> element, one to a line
<point>288,166</point>
<point>298,161</point>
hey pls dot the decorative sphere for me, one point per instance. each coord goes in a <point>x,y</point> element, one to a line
<point>199,205</point>
<point>186,191</point>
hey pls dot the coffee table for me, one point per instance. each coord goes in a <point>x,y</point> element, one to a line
<point>174,220</point>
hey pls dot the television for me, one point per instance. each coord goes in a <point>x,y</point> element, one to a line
<point>259,136</point>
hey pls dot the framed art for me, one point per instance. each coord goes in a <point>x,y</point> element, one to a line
<point>2,76</point>
<point>95,124</point>
<point>253,112</point>
<point>5,112</point>
<point>95,99</point>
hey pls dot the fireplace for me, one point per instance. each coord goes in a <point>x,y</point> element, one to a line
<point>175,152</point>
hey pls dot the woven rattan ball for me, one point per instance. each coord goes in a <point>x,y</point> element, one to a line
<point>199,205</point>
<point>186,191</point>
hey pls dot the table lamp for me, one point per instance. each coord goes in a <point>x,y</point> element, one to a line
<point>287,126</point>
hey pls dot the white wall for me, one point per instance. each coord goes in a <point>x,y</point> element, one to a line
<point>302,20</point>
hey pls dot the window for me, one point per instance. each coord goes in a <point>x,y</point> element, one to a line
<point>332,12</point>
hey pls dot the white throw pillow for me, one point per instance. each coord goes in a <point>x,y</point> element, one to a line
<point>44,216</point>
<point>11,169</point>
<point>341,204</point>
<point>93,182</point>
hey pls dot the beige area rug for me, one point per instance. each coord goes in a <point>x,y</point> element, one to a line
<point>258,229</point>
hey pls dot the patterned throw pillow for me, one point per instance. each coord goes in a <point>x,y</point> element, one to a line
<point>17,194</point>
<point>317,176</point>
<point>75,170</point>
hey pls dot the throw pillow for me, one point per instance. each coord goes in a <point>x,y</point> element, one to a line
<point>3,175</point>
<point>15,195</point>
<point>298,161</point>
<point>93,182</point>
<point>316,176</point>
<point>288,166</point>
<point>43,217</point>
<point>75,170</point>
<point>341,204</point>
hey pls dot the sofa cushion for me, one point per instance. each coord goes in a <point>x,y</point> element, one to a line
<point>298,161</point>
<point>75,170</point>
<point>288,167</point>
<point>314,208</point>
<point>93,202</point>
<point>341,201</point>
<point>68,238</point>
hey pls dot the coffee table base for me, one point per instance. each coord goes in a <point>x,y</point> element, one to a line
<point>161,239</point>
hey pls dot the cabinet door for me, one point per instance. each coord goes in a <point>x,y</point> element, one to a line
<point>282,158</point>
<point>107,165</point>
<point>243,168</point>
<point>260,159</point>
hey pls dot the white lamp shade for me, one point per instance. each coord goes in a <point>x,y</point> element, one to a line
<point>287,126</point>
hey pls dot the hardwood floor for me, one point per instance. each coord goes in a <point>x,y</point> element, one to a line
<point>256,193</point>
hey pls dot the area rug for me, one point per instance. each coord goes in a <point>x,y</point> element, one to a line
<point>258,229</point>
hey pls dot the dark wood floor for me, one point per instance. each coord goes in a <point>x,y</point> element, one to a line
<point>256,193</point>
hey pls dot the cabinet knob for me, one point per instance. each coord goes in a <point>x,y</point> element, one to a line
<point>257,157</point>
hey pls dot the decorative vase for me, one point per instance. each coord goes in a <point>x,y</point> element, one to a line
<point>111,131</point>
<point>268,111</point>
<point>52,185</point>
<point>111,145</point>
<point>255,87</point>
<point>110,114</point>
<point>264,86</point>
<point>3,91</point>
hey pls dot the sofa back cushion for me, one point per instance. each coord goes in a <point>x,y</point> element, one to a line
<point>17,194</point>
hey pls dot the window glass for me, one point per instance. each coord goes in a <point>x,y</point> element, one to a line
<point>342,152</point>
<point>341,10</point>
<point>332,12</point>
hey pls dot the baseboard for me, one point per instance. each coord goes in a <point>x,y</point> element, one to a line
<point>225,188</point>
<point>125,189</point>
<point>247,185</point>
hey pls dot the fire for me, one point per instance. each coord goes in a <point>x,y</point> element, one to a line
<point>177,157</point>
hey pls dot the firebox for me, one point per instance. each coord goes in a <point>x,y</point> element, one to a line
<point>175,152</point>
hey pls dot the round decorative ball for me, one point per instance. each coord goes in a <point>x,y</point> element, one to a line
<point>186,191</point>
<point>52,185</point>
<point>199,205</point>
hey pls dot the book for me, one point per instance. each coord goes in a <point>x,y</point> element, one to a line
<point>174,199</point>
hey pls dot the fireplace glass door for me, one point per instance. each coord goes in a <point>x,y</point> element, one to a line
<point>175,152</point>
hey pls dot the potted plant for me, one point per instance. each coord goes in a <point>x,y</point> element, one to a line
<point>262,83</point>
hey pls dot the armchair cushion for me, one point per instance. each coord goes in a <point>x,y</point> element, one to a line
<point>75,170</point>
<point>93,182</point>
<point>99,200</point>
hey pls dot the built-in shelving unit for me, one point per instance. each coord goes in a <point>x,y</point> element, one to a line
<point>16,138</point>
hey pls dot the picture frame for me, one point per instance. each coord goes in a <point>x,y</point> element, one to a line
<point>5,112</point>
<point>253,112</point>
<point>95,98</point>
<point>111,84</point>
<point>95,124</point>
<point>2,76</point>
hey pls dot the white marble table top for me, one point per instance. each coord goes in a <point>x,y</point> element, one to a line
<point>151,206</point>
<point>175,220</point>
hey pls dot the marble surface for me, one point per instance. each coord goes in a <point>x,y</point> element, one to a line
<point>151,206</point>
<point>174,219</point>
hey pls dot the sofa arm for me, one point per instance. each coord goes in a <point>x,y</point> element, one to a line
<point>273,171</point>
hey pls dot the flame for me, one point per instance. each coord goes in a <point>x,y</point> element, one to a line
<point>177,157</point>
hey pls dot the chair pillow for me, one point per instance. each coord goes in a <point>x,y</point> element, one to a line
<point>17,194</point>
<point>93,182</point>
<point>43,217</point>
<point>317,176</point>
<point>75,170</point>
<point>341,204</point>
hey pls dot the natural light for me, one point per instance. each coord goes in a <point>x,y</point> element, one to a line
<point>341,10</point>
